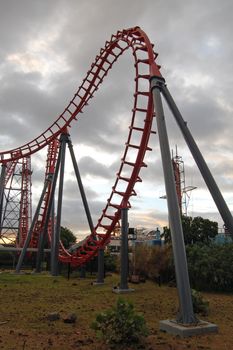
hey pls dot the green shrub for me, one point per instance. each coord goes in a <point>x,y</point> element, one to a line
<point>120,325</point>
<point>200,306</point>
<point>153,262</point>
<point>110,262</point>
<point>211,267</point>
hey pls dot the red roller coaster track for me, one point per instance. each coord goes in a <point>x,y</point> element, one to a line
<point>140,129</point>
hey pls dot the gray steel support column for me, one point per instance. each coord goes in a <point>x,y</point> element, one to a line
<point>52,216</point>
<point>40,252</point>
<point>100,275</point>
<point>53,178</point>
<point>2,183</point>
<point>81,188</point>
<point>82,271</point>
<point>207,176</point>
<point>186,315</point>
<point>124,249</point>
<point>43,234</point>
<point>29,235</point>
<point>55,251</point>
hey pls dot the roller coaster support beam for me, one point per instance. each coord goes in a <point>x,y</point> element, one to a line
<point>206,174</point>
<point>56,238</point>
<point>186,315</point>
<point>29,235</point>
<point>43,235</point>
<point>81,189</point>
<point>82,271</point>
<point>124,249</point>
<point>52,216</point>
<point>100,274</point>
<point>49,215</point>
<point>2,185</point>
<point>123,288</point>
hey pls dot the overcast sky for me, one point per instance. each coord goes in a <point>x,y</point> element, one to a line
<point>46,48</point>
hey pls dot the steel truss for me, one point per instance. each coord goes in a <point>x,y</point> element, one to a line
<point>15,207</point>
<point>183,191</point>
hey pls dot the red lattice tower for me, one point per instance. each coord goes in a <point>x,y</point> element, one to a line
<point>17,206</point>
<point>52,155</point>
<point>179,180</point>
<point>26,200</point>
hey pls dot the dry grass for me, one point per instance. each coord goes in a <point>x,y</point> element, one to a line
<point>26,300</point>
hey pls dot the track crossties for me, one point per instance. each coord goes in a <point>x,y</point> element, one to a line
<point>136,144</point>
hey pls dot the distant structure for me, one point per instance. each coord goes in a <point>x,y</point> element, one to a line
<point>223,236</point>
<point>115,243</point>
<point>183,191</point>
<point>151,238</point>
<point>136,237</point>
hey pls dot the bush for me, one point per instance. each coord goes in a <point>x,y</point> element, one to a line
<point>110,262</point>
<point>153,262</point>
<point>120,325</point>
<point>140,260</point>
<point>211,267</point>
<point>160,264</point>
<point>200,306</point>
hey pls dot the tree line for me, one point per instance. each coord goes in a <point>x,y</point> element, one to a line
<point>210,265</point>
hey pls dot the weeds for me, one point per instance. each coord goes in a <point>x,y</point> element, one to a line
<point>120,325</point>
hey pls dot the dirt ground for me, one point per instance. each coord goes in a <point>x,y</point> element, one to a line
<point>26,301</point>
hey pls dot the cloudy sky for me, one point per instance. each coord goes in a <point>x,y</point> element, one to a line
<point>46,48</point>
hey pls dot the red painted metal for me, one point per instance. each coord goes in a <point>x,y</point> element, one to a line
<point>176,171</point>
<point>25,204</point>
<point>10,168</point>
<point>17,211</point>
<point>141,122</point>
<point>52,155</point>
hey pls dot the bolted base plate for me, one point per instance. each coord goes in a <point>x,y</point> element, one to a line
<point>202,327</point>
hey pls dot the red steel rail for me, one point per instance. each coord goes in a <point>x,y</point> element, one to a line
<point>51,161</point>
<point>137,142</point>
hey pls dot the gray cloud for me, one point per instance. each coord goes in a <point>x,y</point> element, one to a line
<point>90,166</point>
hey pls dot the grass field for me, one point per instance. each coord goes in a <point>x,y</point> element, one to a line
<point>27,299</point>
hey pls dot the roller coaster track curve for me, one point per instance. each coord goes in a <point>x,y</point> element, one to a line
<point>141,123</point>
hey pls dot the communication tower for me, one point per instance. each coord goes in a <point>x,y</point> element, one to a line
<point>183,191</point>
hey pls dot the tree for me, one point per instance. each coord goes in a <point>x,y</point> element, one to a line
<point>211,266</point>
<point>195,230</point>
<point>189,235</point>
<point>203,230</point>
<point>166,234</point>
<point>67,237</point>
<point>110,262</point>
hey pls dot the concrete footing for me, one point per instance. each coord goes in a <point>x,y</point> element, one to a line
<point>96,283</point>
<point>21,273</point>
<point>121,291</point>
<point>202,327</point>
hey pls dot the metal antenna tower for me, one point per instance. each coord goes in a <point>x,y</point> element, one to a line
<point>183,191</point>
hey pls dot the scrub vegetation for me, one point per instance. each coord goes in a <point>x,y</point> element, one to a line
<point>27,300</point>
